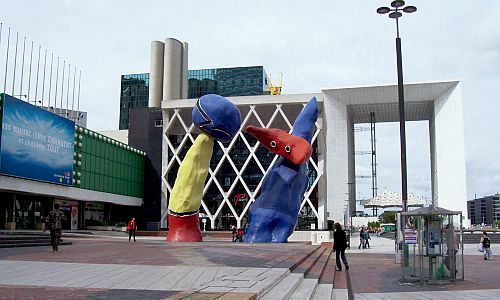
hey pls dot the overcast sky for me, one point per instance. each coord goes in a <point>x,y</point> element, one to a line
<point>315,44</point>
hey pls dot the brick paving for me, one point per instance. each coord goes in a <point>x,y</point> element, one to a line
<point>372,275</point>
<point>105,268</point>
<point>377,273</point>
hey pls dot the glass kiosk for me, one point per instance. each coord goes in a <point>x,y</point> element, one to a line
<point>432,246</point>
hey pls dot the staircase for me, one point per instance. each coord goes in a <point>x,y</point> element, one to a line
<point>22,239</point>
<point>312,278</point>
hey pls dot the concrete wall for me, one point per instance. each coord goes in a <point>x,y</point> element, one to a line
<point>449,178</point>
<point>337,157</point>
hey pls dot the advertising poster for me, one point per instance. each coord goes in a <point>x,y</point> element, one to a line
<point>35,144</point>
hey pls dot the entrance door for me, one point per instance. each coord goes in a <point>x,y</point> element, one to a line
<point>24,214</point>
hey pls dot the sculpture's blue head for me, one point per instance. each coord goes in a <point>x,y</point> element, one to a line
<point>217,116</point>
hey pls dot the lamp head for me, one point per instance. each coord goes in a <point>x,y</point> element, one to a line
<point>383,10</point>
<point>397,3</point>
<point>410,9</point>
<point>395,15</point>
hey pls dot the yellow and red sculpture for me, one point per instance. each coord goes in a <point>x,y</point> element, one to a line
<point>219,119</point>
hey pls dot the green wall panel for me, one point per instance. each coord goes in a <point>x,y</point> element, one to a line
<point>107,165</point>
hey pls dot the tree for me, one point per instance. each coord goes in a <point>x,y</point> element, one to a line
<point>388,217</point>
<point>373,224</point>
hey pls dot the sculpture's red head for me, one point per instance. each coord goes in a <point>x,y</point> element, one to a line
<point>291,147</point>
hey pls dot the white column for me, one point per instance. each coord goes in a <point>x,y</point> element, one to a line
<point>184,85</point>
<point>322,198</point>
<point>337,156</point>
<point>164,163</point>
<point>351,167</point>
<point>450,150</point>
<point>156,73</point>
<point>172,83</point>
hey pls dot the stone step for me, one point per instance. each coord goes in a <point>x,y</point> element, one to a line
<point>319,265</point>
<point>31,244</point>
<point>340,294</point>
<point>305,290</point>
<point>309,261</point>
<point>328,274</point>
<point>285,288</point>
<point>323,291</point>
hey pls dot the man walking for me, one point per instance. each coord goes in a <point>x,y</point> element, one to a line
<point>132,227</point>
<point>339,246</point>
<point>54,221</point>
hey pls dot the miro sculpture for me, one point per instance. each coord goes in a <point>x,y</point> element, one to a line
<point>273,215</point>
<point>218,119</point>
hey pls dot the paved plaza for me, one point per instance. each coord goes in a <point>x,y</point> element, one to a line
<point>113,268</point>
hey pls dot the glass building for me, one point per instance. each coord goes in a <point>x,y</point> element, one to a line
<point>134,93</point>
<point>227,82</point>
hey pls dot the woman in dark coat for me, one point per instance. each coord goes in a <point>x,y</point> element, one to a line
<point>339,246</point>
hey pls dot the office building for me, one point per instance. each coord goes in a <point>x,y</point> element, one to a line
<point>227,82</point>
<point>485,210</point>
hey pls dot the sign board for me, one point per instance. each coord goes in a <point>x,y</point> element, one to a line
<point>35,143</point>
<point>410,237</point>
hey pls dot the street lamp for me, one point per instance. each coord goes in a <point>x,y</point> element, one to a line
<point>398,6</point>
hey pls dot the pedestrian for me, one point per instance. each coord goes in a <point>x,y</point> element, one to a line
<point>367,238</point>
<point>452,245</point>
<point>234,232</point>
<point>486,245</point>
<point>339,246</point>
<point>362,239</point>
<point>54,221</point>
<point>132,227</point>
<point>241,232</point>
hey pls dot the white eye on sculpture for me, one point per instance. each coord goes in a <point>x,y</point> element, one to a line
<point>288,149</point>
<point>79,155</point>
<point>273,144</point>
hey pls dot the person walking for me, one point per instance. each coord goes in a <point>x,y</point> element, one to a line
<point>54,221</point>
<point>339,246</point>
<point>131,227</point>
<point>362,239</point>
<point>487,247</point>
<point>234,232</point>
<point>452,246</point>
<point>367,237</point>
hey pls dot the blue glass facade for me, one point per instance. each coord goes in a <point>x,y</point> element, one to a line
<point>134,93</point>
<point>227,82</point>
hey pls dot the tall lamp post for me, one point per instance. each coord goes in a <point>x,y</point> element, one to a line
<point>398,6</point>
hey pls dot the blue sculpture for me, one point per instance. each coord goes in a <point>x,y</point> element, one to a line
<point>273,215</point>
<point>217,116</point>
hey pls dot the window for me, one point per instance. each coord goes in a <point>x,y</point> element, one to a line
<point>159,123</point>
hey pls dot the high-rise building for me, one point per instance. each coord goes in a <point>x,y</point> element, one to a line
<point>134,93</point>
<point>484,210</point>
<point>227,82</point>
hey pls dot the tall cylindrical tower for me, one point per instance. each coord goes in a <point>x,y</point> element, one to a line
<point>173,70</point>
<point>156,74</point>
<point>184,87</point>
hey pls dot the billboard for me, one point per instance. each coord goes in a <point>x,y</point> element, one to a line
<point>34,143</point>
